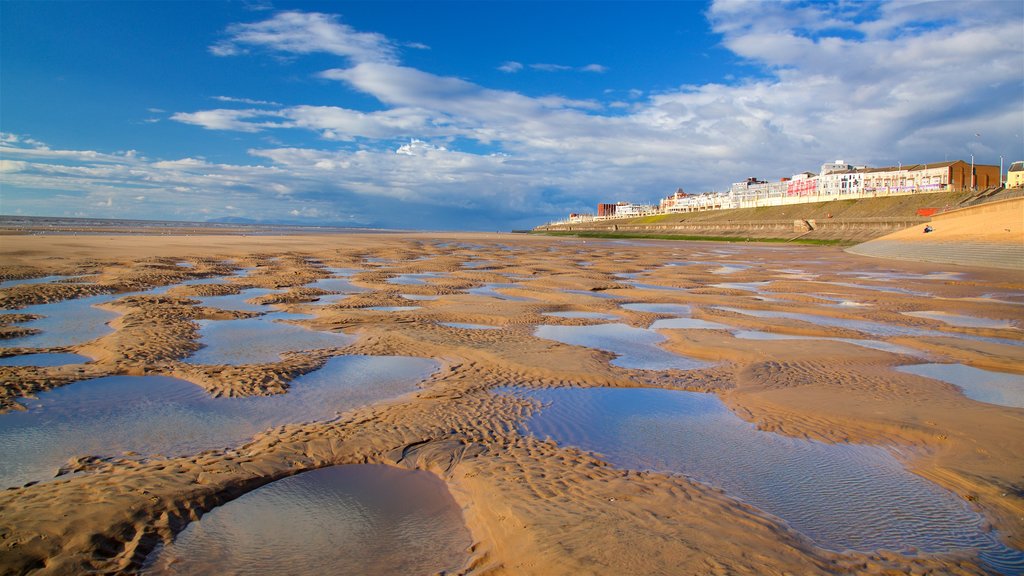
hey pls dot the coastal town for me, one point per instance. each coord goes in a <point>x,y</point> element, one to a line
<point>834,180</point>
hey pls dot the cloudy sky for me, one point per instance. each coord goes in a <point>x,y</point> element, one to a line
<point>481,115</point>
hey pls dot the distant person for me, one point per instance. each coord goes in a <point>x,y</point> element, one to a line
<point>928,228</point>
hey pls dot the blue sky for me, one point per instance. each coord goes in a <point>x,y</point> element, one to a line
<point>481,115</point>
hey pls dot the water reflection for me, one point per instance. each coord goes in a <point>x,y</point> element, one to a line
<point>356,519</point>
<point>259,340</point>
<point>66,323</point>
<point>843,497</point>
<point>960,320</point>
<point>981,385</point>
<point>162,415</point>
<point>637,348</point>
<point>45,359</point>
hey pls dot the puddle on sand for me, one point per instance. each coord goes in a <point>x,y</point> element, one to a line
<point>45,359</point>
<point>872,344</point>
<point>354,519</point>
<point>415,279</point>
<point>866,326</point>
<point>981,385</point>
<point>729,268</point>
<point>491,290</point>
<point>656,308</point>
<point>39,280</point>
<point>757,287</point>
<point>163,415</point>
<point>841,496</point>
<point>582,315</point>
<point>596,294</point>
<point>237,302</point>
<point>258,340</point>
<point>342,285</point>
<point>393,308</point>
<point>698,324</point>
<point>66,323</point>
<point>960,320</point>
<point>636,348</point>
<point>420,297</point>
<point>642,286</point>
<point>466,326</point>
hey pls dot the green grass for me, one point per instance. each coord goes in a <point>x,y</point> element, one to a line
<point>585,234</point>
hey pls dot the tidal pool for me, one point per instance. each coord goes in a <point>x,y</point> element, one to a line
<point>757,287</point>
<point>981,385</point>
<point>491,290</point>
<point>168,416</point>
<point>960,320</point>
<point>841,496</point>
<point>66,323</point>
<point>866,326</point>
<point>642,286</point>
<point>237,302</point>
<point>465,326</point>
<point>259,340</point>
<point>355,519</point>
<point>393,308</point>
<point>583,315</point>
<point>596,294</point>
<point>416,278</point>
<point>420,297</point>
<point>729,268</point>
<point>38,280</point>
<point>657,308</point>
<point>45,359</point>
<point>342,285</point>
<point>636,348</point>
<point>698,324</point>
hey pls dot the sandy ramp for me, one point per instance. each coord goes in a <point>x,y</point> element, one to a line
<point>990,235</point>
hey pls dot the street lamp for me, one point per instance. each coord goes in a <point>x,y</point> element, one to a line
<point>972,171</point>
<point>1001,182</point>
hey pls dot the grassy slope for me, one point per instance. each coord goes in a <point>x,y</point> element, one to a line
<point>891,207</point>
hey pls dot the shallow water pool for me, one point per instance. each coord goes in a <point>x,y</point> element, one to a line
<point>982,385</point>
<point>637,348</point>
<point>45,359</point>
<point>66,323</point>
<point>841,496</point>
<point>259,340</point>
<point>355,519</point>
<point>163,415</point>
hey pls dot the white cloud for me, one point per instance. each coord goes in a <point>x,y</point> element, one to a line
<point>249,101</point>
<point>598,68</point>
<point>550,67</point>
<point>511,67</point>
<point>307,33</point>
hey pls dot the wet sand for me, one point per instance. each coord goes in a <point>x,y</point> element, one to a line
<point>531,506</point>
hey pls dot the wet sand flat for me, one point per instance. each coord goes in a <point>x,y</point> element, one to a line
<point>531,504</point>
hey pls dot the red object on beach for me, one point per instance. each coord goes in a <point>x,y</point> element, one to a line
<point>927,211</point>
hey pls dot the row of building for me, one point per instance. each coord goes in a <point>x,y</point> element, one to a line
<point>836,180</point>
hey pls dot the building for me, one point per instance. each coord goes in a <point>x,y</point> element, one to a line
<point>835,180</point>
<point>936,177</point>
<point>1015,175</point>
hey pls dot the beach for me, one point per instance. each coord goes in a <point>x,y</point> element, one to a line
<point>809,347</point>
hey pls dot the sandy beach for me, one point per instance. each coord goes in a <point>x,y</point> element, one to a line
<point>801,343</point>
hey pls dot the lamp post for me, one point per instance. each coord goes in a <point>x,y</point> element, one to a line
<point>972,172</point>
<point>1001,182</point>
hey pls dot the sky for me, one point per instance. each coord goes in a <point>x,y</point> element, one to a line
<point>484,115</point>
